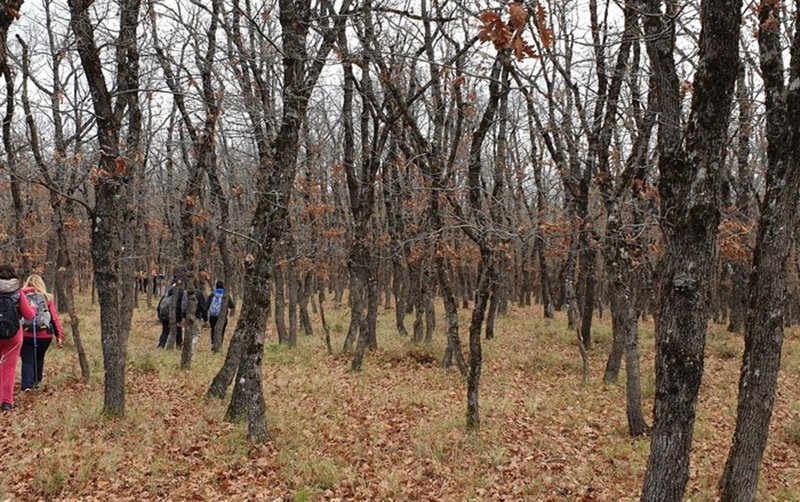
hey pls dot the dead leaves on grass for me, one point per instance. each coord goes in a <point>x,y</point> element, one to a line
<point>392,432</point>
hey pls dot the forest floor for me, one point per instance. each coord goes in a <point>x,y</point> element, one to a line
<point>394,431</point>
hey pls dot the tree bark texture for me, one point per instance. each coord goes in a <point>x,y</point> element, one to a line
<point>690,199</point>
<point>765,316</point>
<point>113,210</point>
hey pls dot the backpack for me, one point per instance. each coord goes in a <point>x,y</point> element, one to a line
<point>9,315</point>
<point>42,319</point>
<point>166,303</point>
<point>163,308</point>
<point>216,303</point>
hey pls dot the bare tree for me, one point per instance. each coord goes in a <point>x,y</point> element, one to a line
<point>204,140</point>
<point>764,323</point>
<point>277,167</point>
<point>690,165</point>
<point>9,10</point>
<point>113,183</point>
<point>61,187</point>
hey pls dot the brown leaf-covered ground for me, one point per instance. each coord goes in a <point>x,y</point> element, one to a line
<point>394,431</point>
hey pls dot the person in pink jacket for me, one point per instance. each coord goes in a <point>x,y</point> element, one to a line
<point>13,307</point>
<point>38,333</point>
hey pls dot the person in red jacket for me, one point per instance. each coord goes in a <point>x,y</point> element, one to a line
<point>13,307</point>
<point>38,332</point>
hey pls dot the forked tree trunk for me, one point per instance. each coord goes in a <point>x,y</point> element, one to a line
<point>64,271</point>
<point>113,209</point>
<point>690,196</point>
<point>278,165</point>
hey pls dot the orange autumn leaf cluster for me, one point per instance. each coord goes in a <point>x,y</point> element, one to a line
<point>507,35</point>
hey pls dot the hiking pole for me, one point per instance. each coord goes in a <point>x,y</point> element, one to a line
<point>35,351</point>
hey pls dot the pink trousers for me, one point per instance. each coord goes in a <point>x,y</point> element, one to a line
<point>9,355</point>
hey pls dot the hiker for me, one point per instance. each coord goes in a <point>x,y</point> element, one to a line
<point>219,306</point>
<point>154,277</point>
<point>13,307</point>
<point>38,332</point>
<point>167,302</point>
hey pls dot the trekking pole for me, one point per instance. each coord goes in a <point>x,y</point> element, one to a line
<point>35,351</point>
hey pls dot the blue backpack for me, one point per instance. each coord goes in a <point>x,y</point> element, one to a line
<point>216,303</point>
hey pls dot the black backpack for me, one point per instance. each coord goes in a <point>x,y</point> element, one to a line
<point>9,315</point>
<point>163,307</point>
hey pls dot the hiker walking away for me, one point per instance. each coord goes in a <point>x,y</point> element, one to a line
<point>13,307</point>
<point>154,277</point>
<point>38,332</point>
<point>171,301</point>
<point>219,306</point>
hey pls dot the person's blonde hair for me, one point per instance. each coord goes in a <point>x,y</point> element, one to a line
<point>36,281</point>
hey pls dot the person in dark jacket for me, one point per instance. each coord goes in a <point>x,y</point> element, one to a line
<point>218,306</point>
<point>13,307</point>
<point>167,303</point>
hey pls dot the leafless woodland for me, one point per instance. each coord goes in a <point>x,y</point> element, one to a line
<point>637,157</point>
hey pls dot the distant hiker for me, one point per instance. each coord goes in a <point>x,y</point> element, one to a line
<point>141,281</point>
<point>38,332</point>
<point>154,278</point>
<point>171,302</point>
<point>13,308</point>
<point>219,306</point>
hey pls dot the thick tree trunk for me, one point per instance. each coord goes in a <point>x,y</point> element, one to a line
<point>690,196</point>
<point>113,209</point>
<point>765,315</point>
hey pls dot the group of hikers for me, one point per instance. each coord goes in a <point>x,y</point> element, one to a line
<point>28,323</point>
<point>213,310</point>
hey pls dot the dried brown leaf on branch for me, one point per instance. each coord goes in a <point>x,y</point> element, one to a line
<point>545,31</point>
<point>494,30</point>
<point>518,14</point>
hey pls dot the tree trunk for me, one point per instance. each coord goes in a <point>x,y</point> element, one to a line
<point>113,209</point>
<point>189,323</point>
<point>690,194</point>
<point>280,304</point>
<point>304,294</point>
<point>277,168</point>
<point>19,242</point>
<point>486,276</point>
<point>765,315</point>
